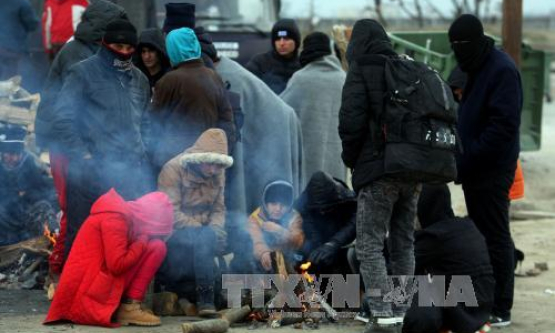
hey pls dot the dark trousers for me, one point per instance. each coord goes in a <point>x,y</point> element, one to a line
<point>487,202</point>
<point>190,257</point>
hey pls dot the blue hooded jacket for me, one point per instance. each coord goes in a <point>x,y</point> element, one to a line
<point>182,45</point>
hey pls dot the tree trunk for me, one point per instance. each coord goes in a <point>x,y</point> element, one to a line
<point>512,29</point>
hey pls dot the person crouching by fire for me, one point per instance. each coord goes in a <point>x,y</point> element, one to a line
<point>113,259</point>
<point>276,230</point>
<point>194,181</point>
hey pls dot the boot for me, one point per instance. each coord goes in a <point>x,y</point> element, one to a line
<point>132,314</point>
<point>205,302</point>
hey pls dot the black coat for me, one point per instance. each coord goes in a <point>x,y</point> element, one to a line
<point>489,119</point>
<point>363,103</point>
<point>328,208</point>
<point>273,69</point>
<point>87,36</point>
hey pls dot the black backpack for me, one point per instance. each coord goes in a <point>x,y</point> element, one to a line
<point>418,123</point>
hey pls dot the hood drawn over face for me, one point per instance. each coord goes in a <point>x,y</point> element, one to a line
<point>95,19</point>
<point>182,45</point>
<point>210,147</point>
<point>368,37</point>
<point>154,39</point>
<point>152,214</point>
<point>323,192</point>
<point>434,205</point>
<point>470,45</point>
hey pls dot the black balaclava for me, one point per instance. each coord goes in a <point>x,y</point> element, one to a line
<point>368,37</point>
<point>434,205</point>
<point>315,46</point>
<point>286,28</point>
<point>120,32</point>
<point>470,45</point>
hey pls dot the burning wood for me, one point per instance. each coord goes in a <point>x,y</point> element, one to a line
<point>316,297</point>
<point>49,235</point>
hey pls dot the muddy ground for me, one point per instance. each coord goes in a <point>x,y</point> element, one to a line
<point>534,308</point>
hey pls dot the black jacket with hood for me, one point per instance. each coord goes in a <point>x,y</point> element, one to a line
<point>363,102</point>
<point>152,38</point>
<point>271,67</point>
<point>328,208</point>
<point>88,34</point>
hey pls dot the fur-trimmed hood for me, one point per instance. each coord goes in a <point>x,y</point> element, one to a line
<point>210,147</point>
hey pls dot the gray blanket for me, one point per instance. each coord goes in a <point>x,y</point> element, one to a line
<point>314,92</point>
<point>271,147</point>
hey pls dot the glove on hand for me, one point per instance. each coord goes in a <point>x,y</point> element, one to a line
<point>324,255</point>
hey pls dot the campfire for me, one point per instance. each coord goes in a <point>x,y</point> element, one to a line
<point>24,265</point>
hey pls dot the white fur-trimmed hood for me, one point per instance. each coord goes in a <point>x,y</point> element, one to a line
<point>212,158</point>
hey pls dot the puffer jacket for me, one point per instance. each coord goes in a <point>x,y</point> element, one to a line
<point>101,110</point>
<point>85,44</point>
<point>108,245</point>
<point>328,208</point>
<point>363,102</point>
<point>197,200</point>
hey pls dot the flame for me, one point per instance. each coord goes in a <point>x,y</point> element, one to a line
<point>50,235</point>
<point>255,316</point>
<point>304,271</point>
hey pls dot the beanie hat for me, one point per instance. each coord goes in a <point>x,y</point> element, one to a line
<point>120,32</point>
<point>278,191</point>
<point>315,46</point>
<point>179,15</point>
<point>286,28</point>
<point>12,139</point>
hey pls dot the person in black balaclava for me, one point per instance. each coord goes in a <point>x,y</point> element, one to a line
<point>448,246</point>
<point>99,123</point>
<point>276,67</point>
<point>488,125</point>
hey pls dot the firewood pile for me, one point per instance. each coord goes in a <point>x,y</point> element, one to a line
<point>25,265</point>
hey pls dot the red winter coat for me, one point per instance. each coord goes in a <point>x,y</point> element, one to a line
<point>59,20</point>
<point>93,279</point>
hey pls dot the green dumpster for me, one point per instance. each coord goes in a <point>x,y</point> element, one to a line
<point>433,48</point>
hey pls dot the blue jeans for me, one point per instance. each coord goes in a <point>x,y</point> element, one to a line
<point>385,206</point>
<point>191,253</point>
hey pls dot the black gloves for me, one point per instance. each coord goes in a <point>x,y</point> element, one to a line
<point>324,255</point>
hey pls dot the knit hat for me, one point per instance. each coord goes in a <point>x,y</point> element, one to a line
<point>120,32</point>
<point>179,15</point>
<point>211,147</point>
<point>315,46</point>
<point>277,191</point>
<point>470,45</point>
<point>152,214</point>
<point>286,28</point>
<point>12,139</point>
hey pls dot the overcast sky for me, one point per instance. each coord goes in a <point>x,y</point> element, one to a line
<point>334,8</point>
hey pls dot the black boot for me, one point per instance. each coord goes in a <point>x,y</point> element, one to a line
<point>205,302</point>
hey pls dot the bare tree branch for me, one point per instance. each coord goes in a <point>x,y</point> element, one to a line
<point>379,13</point>
<point>436,10</point>
<point>420,16</point>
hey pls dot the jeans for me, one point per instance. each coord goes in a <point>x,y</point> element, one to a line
<point>191,253</point>
<point>385,206</point>
<point>487,202</point>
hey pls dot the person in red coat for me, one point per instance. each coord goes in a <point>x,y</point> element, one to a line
<point>59,21</point>
<point>114,258</point>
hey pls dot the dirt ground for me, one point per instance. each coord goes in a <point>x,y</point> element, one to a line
<point>534,306</point>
